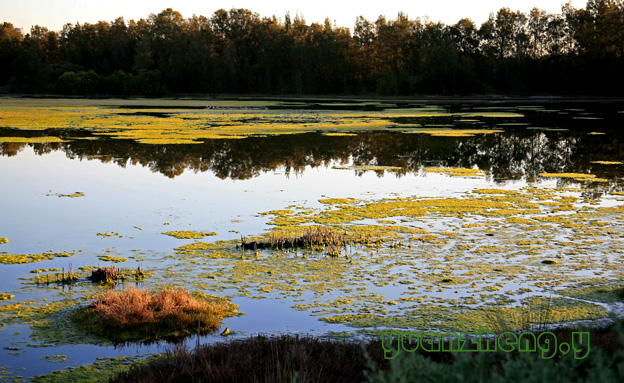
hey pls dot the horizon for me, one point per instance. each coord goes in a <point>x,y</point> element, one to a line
<point>53,14</point>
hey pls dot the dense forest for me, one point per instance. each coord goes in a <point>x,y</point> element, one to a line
<point>575,52</point>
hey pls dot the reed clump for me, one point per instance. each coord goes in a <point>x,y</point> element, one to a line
<point>141,315</point>
<point>113,274</point>
<point>317,238</point>
<point>62,278</point>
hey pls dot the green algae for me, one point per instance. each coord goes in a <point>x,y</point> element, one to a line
<point>9,259</point>
<point>108,258</point>
<point>187,234</point>
<point>596,291</point>
<point>396,244</point>
<point>55,358</point>
<point>171,124</point>
<point>440,318</point>
<point>31,140</point>
<point>101,371</point>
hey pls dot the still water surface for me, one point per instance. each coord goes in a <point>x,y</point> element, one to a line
<point>136,191</point>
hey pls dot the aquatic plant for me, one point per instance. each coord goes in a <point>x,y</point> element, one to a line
<point>141,315</point>
<point>313,238</point>
<point>188,234</point>
<point>112,274</point>
<point>61,278</point>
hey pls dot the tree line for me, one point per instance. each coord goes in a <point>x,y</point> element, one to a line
<point>577,51</point>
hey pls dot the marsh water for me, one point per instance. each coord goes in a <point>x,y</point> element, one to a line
<point>476,205</point>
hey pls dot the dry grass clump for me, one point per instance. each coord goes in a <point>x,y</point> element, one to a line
<point>138,314</point>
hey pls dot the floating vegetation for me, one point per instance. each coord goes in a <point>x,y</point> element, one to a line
<point>375,167</point>
<point>575,176</point>
<point>339,134</point>
<point>72,195</point>
<point>457,172</point>
<point>109,234</point>
<point>55,358</point>
<point>3,240</point>
<point>31,140</point>
<point>61,278</point>
<point>445,319</point>
<point>140,315</point>
<point>174,125</point>
<point>186,234</point>
<point>109,258</point>
<point>455,132</point>
<point>6,296</point>
<point>171,141</point>
<point>104,370</point>
<point>8,259</point>
<point>608,162</point>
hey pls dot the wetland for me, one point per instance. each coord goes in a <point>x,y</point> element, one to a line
<point>323,217</point>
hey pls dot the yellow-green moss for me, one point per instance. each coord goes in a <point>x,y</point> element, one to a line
<point>187,234</point>
<point>31,258</point>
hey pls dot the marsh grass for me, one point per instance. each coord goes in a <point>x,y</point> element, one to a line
<point>113,274</point>
<point>141,315</point>
<point>318,238</point>
<point>61,278</point>
<point>535,316</point>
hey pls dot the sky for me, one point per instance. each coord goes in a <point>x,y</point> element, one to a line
<point>53,14</point>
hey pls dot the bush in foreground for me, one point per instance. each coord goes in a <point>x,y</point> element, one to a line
<point>260,359</point>
<point>308,359</point>
<point>140,315</point>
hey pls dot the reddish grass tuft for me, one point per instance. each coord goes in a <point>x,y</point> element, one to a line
<point>143,315</point>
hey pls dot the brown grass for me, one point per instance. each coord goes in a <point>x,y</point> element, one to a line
<point>137,314</point>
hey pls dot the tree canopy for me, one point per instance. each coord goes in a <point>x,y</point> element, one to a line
<point>577,51</point>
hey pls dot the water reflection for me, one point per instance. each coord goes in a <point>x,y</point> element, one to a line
<point>504,156</point>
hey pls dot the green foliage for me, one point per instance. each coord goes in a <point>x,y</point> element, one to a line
<point>604,363</point>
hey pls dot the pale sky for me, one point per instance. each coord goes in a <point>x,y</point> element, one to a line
<point>53,14</point>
